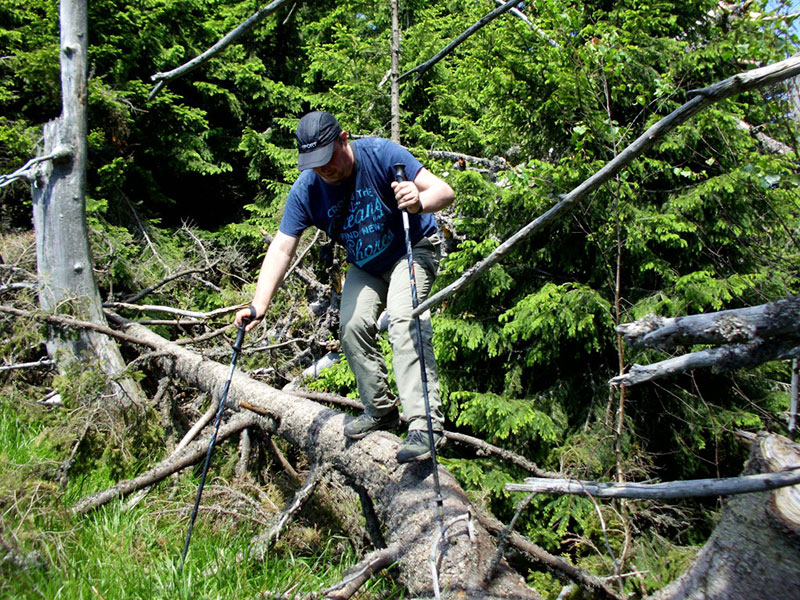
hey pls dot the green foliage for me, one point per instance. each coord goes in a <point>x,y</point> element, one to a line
<point>705,220</point>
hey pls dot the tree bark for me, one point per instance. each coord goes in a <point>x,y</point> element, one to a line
<point>754,552</point>
<point>64,262</point>
<point>747,336</point>
<point>402,495</point>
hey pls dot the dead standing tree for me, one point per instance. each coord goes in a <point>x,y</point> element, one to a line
<point>58,177</point>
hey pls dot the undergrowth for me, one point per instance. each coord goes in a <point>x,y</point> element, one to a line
<point>123,552</point>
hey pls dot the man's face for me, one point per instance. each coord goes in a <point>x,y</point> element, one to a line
<point>339,167</point>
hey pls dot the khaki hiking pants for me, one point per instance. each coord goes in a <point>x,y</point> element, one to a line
<point>364,297</point>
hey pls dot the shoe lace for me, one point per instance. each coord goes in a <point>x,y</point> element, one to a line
<point>417,436</point>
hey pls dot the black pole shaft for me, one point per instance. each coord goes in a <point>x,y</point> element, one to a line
<point>400,175</point>
<point>237,347</point>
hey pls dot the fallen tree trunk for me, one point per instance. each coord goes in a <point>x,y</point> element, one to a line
<point>402,495</point>
<point>754,552</point>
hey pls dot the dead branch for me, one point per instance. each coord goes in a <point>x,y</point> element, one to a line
<point>485,20</point>
<point>724,358</point>
<point>374,563</point>
<point>193,314</point>
<point>539,556</point>
<point>770,144</point>
<point>261,543</point>
<point>669,490</point>
<point>174,463</point>
<point>703,98</point>
<point>70,322</point>
<point>26,171</point>
<point>227,40</point>
<point>197,427</point>
<point>149,289</point>
<point>42,362</point>
<point>742,325</point>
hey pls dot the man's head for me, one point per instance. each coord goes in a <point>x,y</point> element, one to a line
<point>316,133</point>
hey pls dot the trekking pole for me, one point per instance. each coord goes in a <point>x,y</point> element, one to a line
<point>400,175</point>
<point>237,347</point>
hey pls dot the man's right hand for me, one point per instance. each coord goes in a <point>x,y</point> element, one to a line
<point>249,314</point>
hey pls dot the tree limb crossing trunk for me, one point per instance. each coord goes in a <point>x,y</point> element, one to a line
<point>402,495</point>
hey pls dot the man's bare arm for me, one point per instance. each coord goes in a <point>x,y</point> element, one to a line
<point>273,270</point>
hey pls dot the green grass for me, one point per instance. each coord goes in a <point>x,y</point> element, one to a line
<point>114,554</point>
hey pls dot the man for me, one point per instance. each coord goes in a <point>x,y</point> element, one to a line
<point>347,189</point>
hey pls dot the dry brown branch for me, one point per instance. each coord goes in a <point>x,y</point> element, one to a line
<point>189,456</point>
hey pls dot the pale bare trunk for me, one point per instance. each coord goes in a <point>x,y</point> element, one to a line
<point>67,283</point>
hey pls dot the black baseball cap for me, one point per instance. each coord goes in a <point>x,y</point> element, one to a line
<point>316,133</point>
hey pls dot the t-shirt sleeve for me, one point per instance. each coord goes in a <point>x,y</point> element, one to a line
<point>398,154</point>
<point>296,213</point>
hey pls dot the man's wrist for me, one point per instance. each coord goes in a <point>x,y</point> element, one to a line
<point>420,208</point>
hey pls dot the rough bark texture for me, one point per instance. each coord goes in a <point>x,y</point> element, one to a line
<point>402,495</point>
<point>64,262</point>
<point>754,552</point>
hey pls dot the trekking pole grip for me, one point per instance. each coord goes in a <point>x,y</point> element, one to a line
<point>399,172</point>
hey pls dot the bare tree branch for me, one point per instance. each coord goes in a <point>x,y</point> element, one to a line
<point>374,563</point>
<point>64,321</point>
<point>703,98</point>
<point>420,69</point>
<point>723,358</point>
<point>750,336</point>
<point>25,171</point>
<point>227,40</point>
<point>669,490</point>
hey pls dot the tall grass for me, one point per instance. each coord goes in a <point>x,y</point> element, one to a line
<point>118,554</point>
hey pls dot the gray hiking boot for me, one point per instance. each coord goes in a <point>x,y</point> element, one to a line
<point>365,424</point>
<point>416,446</point>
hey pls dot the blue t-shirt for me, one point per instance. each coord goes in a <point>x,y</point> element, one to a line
<point>372,232</point>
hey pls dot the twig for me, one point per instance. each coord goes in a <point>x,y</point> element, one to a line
<point>503,538</point>
<point>302,254</point>
<point>42,362</point>
<point>261,543</point>
<point>141,294</point>
<point>483,21</point>
<point>223,43</point>
<point>197,427</point>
